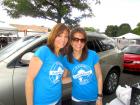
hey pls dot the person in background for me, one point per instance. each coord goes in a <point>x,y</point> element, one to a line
<point>3,41</point>
<point>84,68</point>
<point>43,84</point>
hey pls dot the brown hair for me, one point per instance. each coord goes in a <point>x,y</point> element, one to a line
<point>70,49</point>
<point>57,30</point>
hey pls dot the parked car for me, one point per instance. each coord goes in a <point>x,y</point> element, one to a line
<point>14,60</point>
<point>131,58</point>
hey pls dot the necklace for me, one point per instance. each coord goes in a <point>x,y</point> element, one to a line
<point>76,55</point>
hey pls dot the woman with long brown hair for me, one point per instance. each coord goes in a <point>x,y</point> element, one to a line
<point>85,70</point>
<point>45,69</point>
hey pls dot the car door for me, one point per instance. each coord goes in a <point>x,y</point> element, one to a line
<point>6,86</point>
<point>109,55</point>
<point>110,64</point>
<point>20,72</point>
<point>19,77</point>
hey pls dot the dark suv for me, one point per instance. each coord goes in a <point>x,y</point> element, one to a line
<point>15,57</point>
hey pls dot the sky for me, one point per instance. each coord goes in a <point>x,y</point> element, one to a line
<point>109,12</point>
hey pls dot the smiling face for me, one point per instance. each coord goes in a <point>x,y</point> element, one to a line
<point>61,40</point>
<point>58,39</point>
<point>78,42</point>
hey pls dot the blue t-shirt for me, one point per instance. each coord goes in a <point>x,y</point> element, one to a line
<point>84,82</point>
<point>47,84</point>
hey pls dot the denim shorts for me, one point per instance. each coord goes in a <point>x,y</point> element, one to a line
<point>84,103</point>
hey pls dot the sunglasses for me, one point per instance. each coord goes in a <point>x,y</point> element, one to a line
<point>78,39</point>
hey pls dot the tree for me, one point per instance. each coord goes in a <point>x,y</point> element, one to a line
<point>123,29</point>
<point>137,29</point>
<point>54,10</point>
<point>138,25</point>
<point>90,29</point>
<point>111,31</point>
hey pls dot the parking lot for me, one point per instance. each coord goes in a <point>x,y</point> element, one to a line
<point>127,78</point>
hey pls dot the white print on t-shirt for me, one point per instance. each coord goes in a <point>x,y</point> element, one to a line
<point>82,73</point>
<point>56,72</point>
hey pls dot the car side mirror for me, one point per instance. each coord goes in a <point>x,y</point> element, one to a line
<point>25,59</point>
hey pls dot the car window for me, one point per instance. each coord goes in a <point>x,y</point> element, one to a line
<point>93,45</point>
<point>44,42</point>
<point>15,46</point>
<point>106,44</point>
<point>90,45</point>
<point>132,50</point>
<point>32,49</point>
<point>97,45</point>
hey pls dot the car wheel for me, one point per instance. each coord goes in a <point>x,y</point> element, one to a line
<point>111,81</point>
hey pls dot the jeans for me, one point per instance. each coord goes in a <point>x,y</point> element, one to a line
<point>59,102</point>
<point>84,103</point>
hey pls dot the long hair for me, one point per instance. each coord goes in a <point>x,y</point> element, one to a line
<point>70,49</point>
<point>56,31</point>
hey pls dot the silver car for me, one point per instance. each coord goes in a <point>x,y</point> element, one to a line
<point>14,60</point>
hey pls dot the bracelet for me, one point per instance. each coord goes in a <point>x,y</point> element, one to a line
<point>100,95</point>
<point>99,98</point>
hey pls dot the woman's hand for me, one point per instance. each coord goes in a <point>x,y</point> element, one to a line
<point>99,101</point>
<point>65,78</point>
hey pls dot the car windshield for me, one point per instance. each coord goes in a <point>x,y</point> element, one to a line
<point>109,42</point>
<point>15,46</point>
<point>132,50</point>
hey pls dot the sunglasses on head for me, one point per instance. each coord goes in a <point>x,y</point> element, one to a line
<point>83,40</point>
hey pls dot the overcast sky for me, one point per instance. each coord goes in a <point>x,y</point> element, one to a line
<point>109,12</point>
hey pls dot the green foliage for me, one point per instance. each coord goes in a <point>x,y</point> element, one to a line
<point>123,29</point>
<point>71,22</point>
<point>90,29</point>
<point>111,31</point>
<point>137,29</point>
<point>114,30</point>
<point>55,10</point>
<point>138,25</point>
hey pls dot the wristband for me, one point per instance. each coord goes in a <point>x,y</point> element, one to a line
<point>99,98</point>
<point>100,95</point>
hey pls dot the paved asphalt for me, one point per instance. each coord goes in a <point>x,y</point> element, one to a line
<point>126,78</point>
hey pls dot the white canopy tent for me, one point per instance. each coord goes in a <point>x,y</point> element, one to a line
<point>7,29</point>
<point>130,36</point>
<point>127,39</point>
